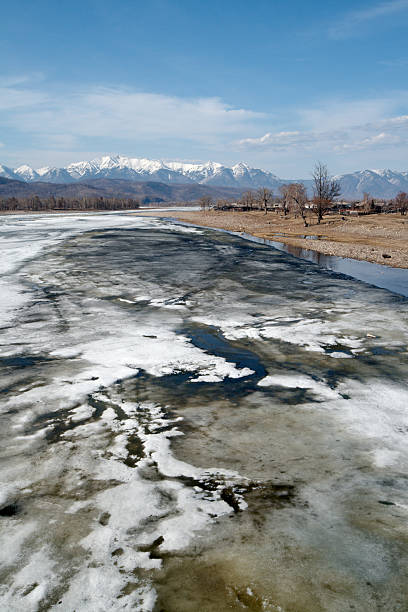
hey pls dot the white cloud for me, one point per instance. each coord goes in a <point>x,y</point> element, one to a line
<point>336,114</point>
<point>382,139</point>
<point>280,140</point>
<point>118,114</point>
<point>382,133</point>
<point>44,125</point>
<point>349,25</point>
<point>402,120</point>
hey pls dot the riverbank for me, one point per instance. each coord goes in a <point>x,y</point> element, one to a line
<point>381,239</point>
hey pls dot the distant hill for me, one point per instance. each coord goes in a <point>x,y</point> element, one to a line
<point>147,192</point>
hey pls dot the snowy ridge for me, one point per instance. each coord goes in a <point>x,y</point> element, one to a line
<point>383,183</point>
<point>142,169</point>
<point>379,183</point>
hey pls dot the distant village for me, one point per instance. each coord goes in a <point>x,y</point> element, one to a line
<point>293,198</point>
<point>365,206</point>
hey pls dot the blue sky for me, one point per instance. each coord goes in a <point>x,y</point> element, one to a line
<point>276,84</point>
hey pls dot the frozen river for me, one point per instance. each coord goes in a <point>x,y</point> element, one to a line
<point>191,421</point>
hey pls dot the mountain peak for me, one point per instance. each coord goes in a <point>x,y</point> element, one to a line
<point>26,173</point>
<point>241,165</point>
<point>379,183</point>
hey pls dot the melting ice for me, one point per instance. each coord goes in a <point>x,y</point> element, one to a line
<point>190,421</point>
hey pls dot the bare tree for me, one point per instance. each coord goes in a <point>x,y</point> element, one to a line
<point>368,202</point>
<point>248,200</point>
<point>205,202</point>
<point>401,202</point>
<point>325,189</point>
<point>265,195</point>
<point>298,195</point>
<point>285,197</point>
<point>221,204</point>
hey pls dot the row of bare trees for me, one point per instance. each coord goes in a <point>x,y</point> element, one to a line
<point>35,203</point>
<point>369,204</point>
<point>325,189</point>
<point>293,197</point>
<point>250,200</point>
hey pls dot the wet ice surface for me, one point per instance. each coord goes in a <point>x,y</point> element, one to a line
<point>191,421</point>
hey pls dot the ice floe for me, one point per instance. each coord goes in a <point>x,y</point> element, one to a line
<point>299,381</point>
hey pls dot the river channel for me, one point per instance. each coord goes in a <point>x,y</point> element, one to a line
<point>194,421</point>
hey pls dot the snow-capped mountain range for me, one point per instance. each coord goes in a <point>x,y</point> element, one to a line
<point>140,169</point>
<point>379,183</point>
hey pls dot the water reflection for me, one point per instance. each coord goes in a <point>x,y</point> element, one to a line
<point>393,279</point>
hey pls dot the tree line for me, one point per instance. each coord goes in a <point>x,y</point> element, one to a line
<point>293,198</point>
<point>35,203</point>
